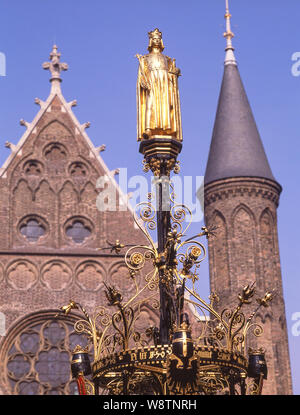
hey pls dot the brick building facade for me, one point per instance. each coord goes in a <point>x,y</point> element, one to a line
<point>51,232</point>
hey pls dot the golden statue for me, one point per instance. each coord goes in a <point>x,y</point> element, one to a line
<point>158,104</point>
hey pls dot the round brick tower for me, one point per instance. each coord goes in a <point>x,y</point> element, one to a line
<point>241,199</point>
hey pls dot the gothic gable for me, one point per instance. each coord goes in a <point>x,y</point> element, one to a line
<point>51,178</point>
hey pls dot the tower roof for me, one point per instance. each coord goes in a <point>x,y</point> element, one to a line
<point>236,148</point>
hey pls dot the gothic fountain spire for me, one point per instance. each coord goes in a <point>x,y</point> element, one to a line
<point>55,67</point>
<point>229,57</point>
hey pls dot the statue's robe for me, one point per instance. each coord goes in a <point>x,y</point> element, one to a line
<point>158,97</point>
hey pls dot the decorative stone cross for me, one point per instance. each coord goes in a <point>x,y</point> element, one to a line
<point>55,66</point>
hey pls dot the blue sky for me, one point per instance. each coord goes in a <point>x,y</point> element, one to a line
<point>99,39</point>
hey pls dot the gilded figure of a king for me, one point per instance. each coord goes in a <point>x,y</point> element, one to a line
<point>158,104</point>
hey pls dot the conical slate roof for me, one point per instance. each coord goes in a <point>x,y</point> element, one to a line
<point>236,148</point>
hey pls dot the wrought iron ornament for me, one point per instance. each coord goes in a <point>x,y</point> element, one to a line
<point>174,357</point>
<point>127,361</point>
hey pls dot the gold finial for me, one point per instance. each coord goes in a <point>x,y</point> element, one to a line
<point>230,58</point>
<point>247,293</point>
<point>67,308</point>
<point>265,301</point>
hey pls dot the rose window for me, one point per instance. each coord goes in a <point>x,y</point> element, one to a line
<point>32,229</point>
<point>78,230</point>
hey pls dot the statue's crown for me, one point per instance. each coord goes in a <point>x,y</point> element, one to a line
<point>155,32</point>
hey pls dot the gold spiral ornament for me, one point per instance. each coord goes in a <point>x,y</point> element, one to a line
<point>195,252</point>
<point>136,259</point>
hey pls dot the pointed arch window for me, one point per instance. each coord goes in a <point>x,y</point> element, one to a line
<point>56,156</point>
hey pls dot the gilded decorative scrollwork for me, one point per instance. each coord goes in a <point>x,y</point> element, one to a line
<point>129,352</point>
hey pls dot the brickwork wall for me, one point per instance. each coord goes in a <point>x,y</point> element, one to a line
<point>245,250</point>
<point>53,180</point>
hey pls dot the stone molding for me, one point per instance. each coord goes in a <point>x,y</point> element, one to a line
<point>242,186</point>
